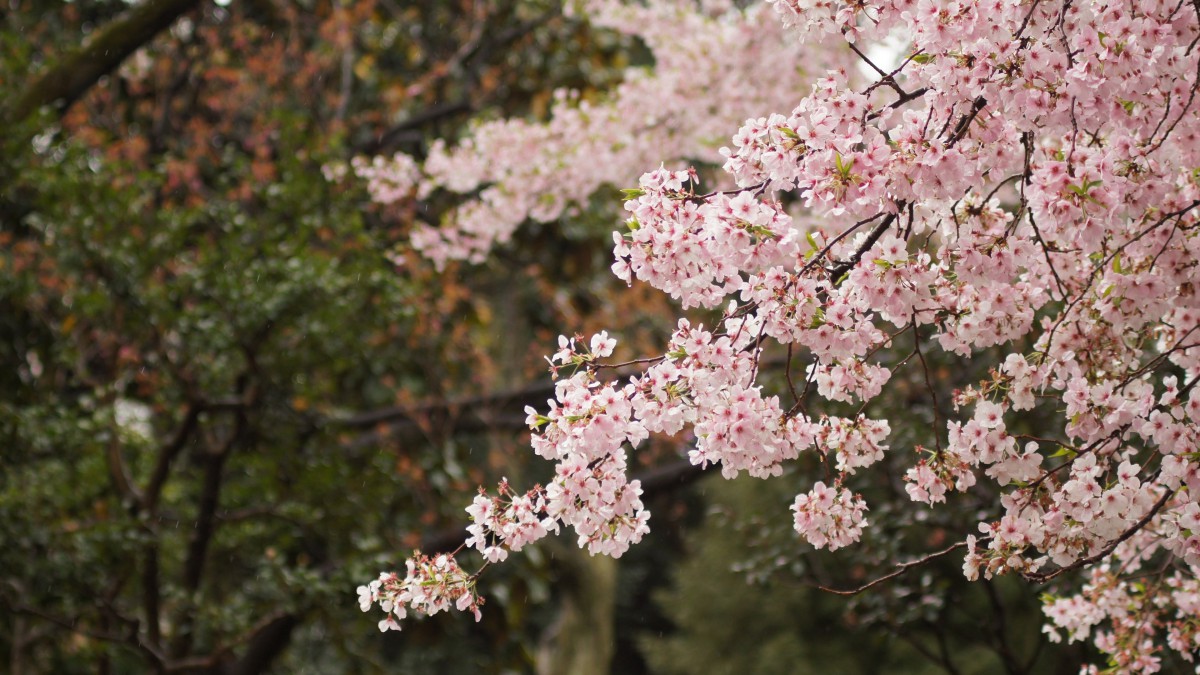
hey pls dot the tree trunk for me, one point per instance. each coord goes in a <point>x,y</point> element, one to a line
<point>581,641</point>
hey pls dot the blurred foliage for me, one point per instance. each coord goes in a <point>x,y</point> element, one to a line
<point>195,324</point>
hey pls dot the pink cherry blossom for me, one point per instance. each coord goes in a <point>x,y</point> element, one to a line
<point>1019,191</point>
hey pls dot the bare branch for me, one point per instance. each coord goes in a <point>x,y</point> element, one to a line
<point>900,569</point>
<point>167,454</point>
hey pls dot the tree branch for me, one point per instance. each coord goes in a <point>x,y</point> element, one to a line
<point>130,640</point>
<point>74,74</point>
<point>119,474</point>
<point>900,569</point>
<point>1043,577</point>
<point>268,641</point>
<point>536,394</point>
<point>166,455</point>
<point>388,139</point>
<point>206,516</point>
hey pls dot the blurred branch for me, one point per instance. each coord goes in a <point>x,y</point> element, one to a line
<point>999,625</point>
<point>486,412</point>
<point>470,56</point>
<point>74,74</point>
<point>209,501</point>
<point>401,131</point>
<point>129,639</point>
<point>897,571</point>
<point>667,478</point>
<point>483,409</point>
<point>265,643</point>
<point>119,473</point>
<point>167,454</point>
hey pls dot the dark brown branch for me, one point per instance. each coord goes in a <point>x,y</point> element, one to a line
<point>841,267</point>
<point>267,642</point>
<point>264,641</point>
<point>885,78</point>
<point>130,640</point>
<point>386,140</point>
<point>668,478</point>
<point>532,395</point>
<point>1027,144</point>
<point>119,474</point>
<point>933,401</point>
<point>74,74</point>
<point>1183,113</point>
<point>964,124</point>
<point>150,587</point>
<point>206,516</point>
<point>999,623</point>
<point>1107,550</point>
<point>900,569</point>
<point>910,96</point>
<point>210,496</point>
<point>167,454</point>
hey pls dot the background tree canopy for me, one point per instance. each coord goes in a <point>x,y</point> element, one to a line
<point>231,391</point>
<point>223,404</point>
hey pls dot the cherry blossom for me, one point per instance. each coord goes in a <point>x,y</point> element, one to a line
<point>539,171</point>
<point>1019,190</point>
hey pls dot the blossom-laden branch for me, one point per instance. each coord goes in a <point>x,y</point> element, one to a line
<point>1019,192</point>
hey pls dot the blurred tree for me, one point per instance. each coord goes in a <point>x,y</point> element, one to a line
<point>222,405</point>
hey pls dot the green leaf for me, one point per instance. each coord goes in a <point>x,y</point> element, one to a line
<point>843,168</point>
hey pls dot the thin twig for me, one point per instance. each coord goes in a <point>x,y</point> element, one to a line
<point>900,569</point>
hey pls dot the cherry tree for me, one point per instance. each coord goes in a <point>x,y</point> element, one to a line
<point>1019,190</point>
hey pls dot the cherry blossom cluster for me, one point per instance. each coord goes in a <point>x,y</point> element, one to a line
<point>1123,618</point>
<point>429,586</point>
<point>585,432</point>
<point>516,170</point>
<point>388,180</point>
<point>695,252</point>
<point>507,521</point>
<point>1020,191</point>
<point>829,517</point>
